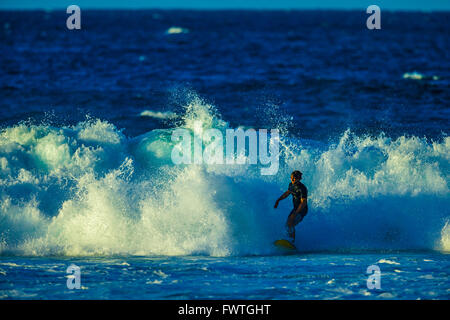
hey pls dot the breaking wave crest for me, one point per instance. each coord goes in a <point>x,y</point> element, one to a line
<point>90,190</point>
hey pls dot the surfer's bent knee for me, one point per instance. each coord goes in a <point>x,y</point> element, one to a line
<point>296,218</point>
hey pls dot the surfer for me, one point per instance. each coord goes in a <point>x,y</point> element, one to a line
<point>299,199</point>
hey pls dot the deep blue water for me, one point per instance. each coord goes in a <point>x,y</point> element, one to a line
<point>308,276</point>
<point>86,175</point>
<point>325,68</point>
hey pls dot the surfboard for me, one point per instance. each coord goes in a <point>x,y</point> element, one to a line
<point>285,245</point>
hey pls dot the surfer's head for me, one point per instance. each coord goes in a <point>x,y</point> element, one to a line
<point>296,176</point>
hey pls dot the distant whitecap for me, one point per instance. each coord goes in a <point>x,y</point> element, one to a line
<point>418,76</point>
<point>158,114</point>
<point>413,75</point>
<point>176,30</point>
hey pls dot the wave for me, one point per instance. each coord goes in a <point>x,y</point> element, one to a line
<point>90,190</point>
<point>418,76</point>
<point>176,30</point>
<point>158,114</point>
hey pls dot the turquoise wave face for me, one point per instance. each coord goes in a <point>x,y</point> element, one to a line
<point>90,190</point>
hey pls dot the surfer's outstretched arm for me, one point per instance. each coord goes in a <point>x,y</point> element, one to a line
<point>283,196</point>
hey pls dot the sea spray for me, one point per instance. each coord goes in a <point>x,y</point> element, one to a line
<point>90,190</point>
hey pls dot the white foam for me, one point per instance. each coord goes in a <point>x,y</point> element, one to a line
<point>160,273</point>
<point>90,190</point>
<point>177,30</point>
<point>388,261</point>
<point>158,114</point>
<point>413,75</point>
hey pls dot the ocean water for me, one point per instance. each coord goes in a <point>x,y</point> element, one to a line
<point>87,178</point>
<point>404,275</point>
